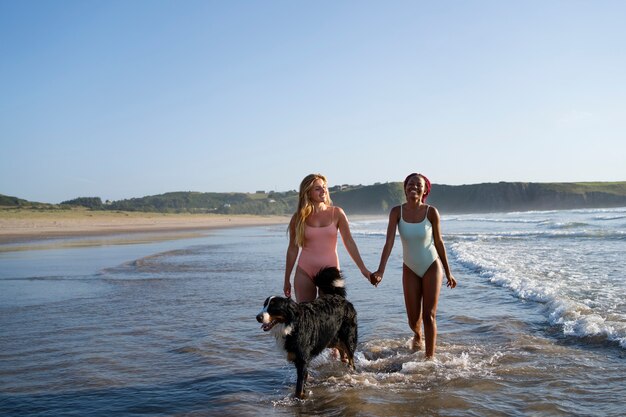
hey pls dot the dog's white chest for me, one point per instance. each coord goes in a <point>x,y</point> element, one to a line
<point>280,332</point>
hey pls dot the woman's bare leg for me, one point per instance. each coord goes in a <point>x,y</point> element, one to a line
<point>304,286</point>
<point>431,285</point>
<point>307,291</point>
<point>412,285</point>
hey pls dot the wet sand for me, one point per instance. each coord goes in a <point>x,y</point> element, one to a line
<point>22,225</point>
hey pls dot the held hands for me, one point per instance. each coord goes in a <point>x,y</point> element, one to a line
<point>375,278</point>
<point>371,277</point>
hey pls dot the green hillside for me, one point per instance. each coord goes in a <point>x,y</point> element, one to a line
<point>222,203</point>
<point>8,201</point>
<point>519,196</point>
<point>374,199</point>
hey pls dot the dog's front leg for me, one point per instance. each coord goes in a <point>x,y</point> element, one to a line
<point>303,374</point>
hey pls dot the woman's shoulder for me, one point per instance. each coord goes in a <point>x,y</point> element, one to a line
<point>432,211</point>
<point>338,213</point>
<point>395,211</point>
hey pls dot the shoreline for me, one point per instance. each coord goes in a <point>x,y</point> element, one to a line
<point>23,226</point>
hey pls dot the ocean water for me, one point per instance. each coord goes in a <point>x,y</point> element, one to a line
<point>536,326</point>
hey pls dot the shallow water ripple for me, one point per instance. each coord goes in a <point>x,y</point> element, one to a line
<point>169,329</point>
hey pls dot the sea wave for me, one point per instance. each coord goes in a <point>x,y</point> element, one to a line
<point>492,220</point>
<point>565,225</point>
<point>609,218</point>
<point>573,312</point>
<point>563,231</point>
<point>547,234</point>
<point>579,320</point>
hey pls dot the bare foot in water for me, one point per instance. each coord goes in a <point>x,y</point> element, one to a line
<point>416,343</point>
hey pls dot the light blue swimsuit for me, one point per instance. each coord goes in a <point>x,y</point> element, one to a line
<point>418,245</point>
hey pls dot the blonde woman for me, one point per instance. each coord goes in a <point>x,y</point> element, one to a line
<point>313,234</point>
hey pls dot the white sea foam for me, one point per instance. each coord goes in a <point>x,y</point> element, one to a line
<point>390,364</point>
<point>562,231</point>
<point>564,277</point>
<point>609,217</point>
<point>467,219</point>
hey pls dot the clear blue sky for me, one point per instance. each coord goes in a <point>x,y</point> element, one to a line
<point>122,99</point>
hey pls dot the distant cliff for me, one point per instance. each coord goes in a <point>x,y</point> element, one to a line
<point>518,196</point>
<point>490,197</point>
<point>373,199</point>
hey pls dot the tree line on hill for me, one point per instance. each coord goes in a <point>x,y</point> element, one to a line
<point>372,199</point>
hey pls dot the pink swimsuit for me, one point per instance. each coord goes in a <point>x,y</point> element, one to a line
<point>319,250</point>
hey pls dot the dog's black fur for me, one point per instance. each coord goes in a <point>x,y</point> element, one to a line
<point>305,329</point>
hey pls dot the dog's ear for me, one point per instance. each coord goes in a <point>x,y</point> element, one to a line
<point>290,309</point>
<point>278,303</point>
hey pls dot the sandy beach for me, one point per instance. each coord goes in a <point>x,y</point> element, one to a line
<point>19,225</point>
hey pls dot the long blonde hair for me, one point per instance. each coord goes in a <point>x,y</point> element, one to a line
<point>305,206</point>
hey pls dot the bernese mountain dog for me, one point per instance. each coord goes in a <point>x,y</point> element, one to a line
<point>304,330</point>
